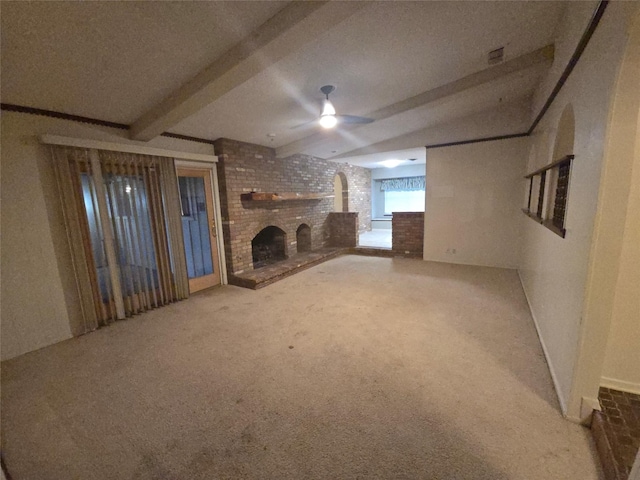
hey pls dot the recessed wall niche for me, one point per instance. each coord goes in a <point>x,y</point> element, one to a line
<point>548,186</point>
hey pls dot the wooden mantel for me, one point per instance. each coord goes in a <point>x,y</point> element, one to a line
<point>279,197</point>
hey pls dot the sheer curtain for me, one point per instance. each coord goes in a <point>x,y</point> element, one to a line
<point>122,214</point>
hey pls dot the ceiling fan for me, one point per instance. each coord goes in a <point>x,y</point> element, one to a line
<point>329,118</point>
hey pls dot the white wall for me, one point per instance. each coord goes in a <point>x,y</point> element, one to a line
<point>622,357</point>
<point>473,203</point>
<point>33,304</point>
<point>554,270</point>
<point>622,361</point>
<point>39,297</point>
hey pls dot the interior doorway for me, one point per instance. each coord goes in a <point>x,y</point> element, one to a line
<point>199,228</point>
<point>397,189</point>
<point>341,193</point>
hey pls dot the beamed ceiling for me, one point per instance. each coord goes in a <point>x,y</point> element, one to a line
<point>252,71</point>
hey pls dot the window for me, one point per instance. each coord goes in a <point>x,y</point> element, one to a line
<point>562,187</point>
<point>402,194</point>
<point>412,201</point>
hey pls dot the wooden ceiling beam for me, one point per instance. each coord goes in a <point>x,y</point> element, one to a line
<point>297,24</point>
<point>523,62</point>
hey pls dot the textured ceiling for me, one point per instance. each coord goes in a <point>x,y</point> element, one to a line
<point>114,60</point>
<point>117,60</point>
<point>373,160</point>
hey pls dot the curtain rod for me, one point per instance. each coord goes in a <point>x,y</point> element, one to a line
<point>394,178</point>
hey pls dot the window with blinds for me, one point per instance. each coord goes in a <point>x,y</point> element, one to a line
<point>122,214</point>
<point>402,194</point>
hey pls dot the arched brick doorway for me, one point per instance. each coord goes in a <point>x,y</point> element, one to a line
<point>341,192</point>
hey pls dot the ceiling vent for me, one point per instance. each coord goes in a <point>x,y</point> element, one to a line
<point>496,56</point>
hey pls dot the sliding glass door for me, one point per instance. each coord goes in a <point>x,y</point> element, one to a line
<point>123,210</point>
<point>130,215</point>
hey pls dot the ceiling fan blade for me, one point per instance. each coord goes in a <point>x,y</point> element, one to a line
<point>353,119</point>
<point>305,124</point>
<point>342,119</point>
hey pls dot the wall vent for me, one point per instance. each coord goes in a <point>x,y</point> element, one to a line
<point>496,56</point>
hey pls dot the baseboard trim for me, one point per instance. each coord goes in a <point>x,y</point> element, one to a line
<point>466,264</point>
<point>621,385</point>
<point>588,406</point>
<point>554,378</point>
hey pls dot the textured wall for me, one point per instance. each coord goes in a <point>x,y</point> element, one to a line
<point>245,167</point>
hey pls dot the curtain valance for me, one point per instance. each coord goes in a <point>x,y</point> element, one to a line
<point>406,184</point>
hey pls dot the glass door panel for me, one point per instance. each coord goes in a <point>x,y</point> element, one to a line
<point>198,228</point>
<point>128,210</point>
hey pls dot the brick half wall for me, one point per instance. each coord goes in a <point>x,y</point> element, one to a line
<point>343,228</point>
<point>407,233</point>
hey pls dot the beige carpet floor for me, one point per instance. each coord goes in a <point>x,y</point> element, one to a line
<point>359,368</point>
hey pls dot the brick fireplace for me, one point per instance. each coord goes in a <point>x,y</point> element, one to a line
<point>299,214</point>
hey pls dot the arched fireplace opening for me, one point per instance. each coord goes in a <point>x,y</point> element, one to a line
<point>303,238</point>
<point>268,246</point>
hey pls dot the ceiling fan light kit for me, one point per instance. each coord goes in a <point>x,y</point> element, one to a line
<point>328,108</point>
<point>329,119</point>
<point>328,116</point>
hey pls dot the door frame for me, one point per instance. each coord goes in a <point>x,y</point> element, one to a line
<point>217,213</point>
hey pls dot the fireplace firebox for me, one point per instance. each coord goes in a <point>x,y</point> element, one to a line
<point>303,238</point>
<point>268,246</point>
